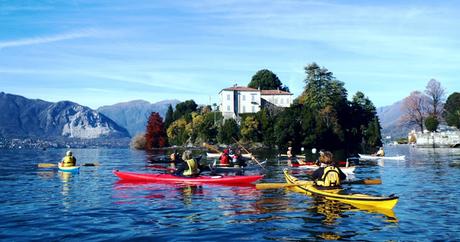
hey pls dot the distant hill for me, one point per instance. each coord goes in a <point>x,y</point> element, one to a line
<point>390,120</point>
<point>133,115</point>
<point>33,118</point>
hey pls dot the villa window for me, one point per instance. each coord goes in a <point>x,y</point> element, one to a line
<point>228,97</point>
<point>244,97</point>
<point>228,108</point>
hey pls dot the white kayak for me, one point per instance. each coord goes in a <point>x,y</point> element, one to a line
<point>373,157</point>
<point>217,155</point>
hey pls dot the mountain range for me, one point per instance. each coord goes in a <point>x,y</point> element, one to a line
<point>28,118</point>
<point>21,117</point>
<point>390,120</point>
<point>133,115</point>
<point>25,118</point>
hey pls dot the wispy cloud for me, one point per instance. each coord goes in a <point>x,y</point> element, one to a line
<point>49,39</point>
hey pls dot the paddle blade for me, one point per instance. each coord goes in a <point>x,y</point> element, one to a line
<point>262,186</point>
<point>46,165</point>
<point>372,182</point>
<point>365,182</point>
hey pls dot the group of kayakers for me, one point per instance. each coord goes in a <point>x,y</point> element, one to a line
<point>232,158</point>
<point>327,175</point>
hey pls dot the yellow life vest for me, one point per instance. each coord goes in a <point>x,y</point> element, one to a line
<point>192,168</point>
<point>69,161</point>
<point>330,177</point>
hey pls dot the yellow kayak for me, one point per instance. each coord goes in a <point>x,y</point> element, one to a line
<point>358,200</point>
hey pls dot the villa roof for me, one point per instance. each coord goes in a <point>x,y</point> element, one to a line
<point>240,88</point>
<point>274,92</point>
<point>262,92</point>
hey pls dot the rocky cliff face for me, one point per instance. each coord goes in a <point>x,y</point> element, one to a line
<point>133,115</point>
<point>21,117</point>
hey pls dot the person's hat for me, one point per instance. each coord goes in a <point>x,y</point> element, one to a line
<point>289,148</point>
<point>68,153</point>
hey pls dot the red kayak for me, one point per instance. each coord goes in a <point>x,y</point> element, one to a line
<point>147,177</point>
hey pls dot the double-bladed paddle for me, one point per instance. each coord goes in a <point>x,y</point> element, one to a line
<point>262,186</point>
<point>49,165</point>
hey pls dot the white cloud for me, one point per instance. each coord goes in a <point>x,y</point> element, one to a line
<point>49,39</point>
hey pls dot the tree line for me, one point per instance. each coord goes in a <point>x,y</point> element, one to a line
<point>321,117</point>
<point>426,110</point>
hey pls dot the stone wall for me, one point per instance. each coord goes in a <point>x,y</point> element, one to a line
<point>438,139</point>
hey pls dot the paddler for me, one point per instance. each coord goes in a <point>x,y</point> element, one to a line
<point>68,160</point>
<point>224,159</point>
<point>189,166</point>
<point>381,152</point>
<point>289,153</point>
<point>238,160</point>
<point>175,159</point>
<point>329,176</point>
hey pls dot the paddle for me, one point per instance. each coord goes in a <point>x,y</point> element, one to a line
<point>248,152</point>
<point>158,167</point>
<point>49,165</point>
<point>211,147</point>
<point>283,185</point>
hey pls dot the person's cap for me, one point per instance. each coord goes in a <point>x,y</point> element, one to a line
<point>68,152</point>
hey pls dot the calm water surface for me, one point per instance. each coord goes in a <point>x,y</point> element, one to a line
<point>44,204</point>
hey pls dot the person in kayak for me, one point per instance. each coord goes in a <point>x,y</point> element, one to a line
<point>175,159</point>
<point>224,159</point>
<point>69,159</point>
<point>330,175</point>
<point>289,153</point>
<point>381,152</point>
<point>189,166</point>
<point>238,160</point>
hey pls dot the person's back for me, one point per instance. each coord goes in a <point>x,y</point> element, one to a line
<point>381,152</point>
<point>289,152</point>
<point>329,176</point>
<point>189,167</point>
<point>224,159</point>
<point>69,160</point>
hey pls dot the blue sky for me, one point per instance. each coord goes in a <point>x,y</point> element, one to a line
<point>103,52</point>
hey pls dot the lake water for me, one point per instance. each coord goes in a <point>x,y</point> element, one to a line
<point>47,205</point>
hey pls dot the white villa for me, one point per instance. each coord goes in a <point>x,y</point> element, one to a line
<point>237,100</point>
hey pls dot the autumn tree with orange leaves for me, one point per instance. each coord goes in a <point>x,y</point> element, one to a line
<point>155,135</point>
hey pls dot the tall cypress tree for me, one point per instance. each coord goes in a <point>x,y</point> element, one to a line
<point>169,116</point>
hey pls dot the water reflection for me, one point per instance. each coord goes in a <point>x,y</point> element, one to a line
<point>184,192</point>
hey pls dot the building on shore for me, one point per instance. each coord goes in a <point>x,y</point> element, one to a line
<point>446,138</point>
<point>238,100</point>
